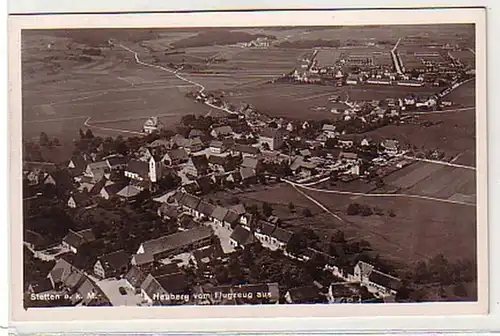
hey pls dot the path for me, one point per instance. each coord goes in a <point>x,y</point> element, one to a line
<point>395,58</point>
<point>444,163</point>
<point>463,109</point>
<point>176,74</point>
<point>350,193</point>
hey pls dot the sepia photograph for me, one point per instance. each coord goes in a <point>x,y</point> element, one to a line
<point>271,165</point>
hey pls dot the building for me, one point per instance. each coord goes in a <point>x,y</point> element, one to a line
<point>305,295</point>
<point>137,170</point>
<point>116,162</point>
<point>142,260</point>
<point>329,130</point>
<point>221,164</point>
<point>107,191</point>
<point>197,165</point>
<point>113,264</point>
<point>241,237</point>
<point>134,278</point>
<point>175,156</point>
<point>152,125</point>
<point>96,171</point>
<point>245,150</point>
<point>219,214</point>
<point>379,81</point>
<point>176,243</point>
<point>78,199</point>
<point>40,287</point>
<point>189,203</point>
<point>273,137</point>
<point>221,132</point>
<point>129,192</point>
<point>390,146</point>
<point>64,276</point>
<point>165,289</point>
<point>376,281</point>
<point>218,146</point>
<point>204,210</point>
<point>76,239</point>
<point>410,82</point>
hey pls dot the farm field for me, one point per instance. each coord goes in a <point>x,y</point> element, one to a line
<point>464,95</point>
<point>435,180</point>
<point>420,229</point>
<point>467,57</point>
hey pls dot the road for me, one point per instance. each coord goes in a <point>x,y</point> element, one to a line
<point>444,163</point>
<point>395,57</point>
<point>176,74</point>
<point>359,194</point>
<point>464,109</point>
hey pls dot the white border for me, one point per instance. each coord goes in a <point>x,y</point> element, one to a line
<point>278,18</point>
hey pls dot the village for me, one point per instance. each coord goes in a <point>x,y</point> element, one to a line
<point>141,221</point>
<point>217,157</point>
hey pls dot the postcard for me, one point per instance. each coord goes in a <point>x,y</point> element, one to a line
<point>248,164</point>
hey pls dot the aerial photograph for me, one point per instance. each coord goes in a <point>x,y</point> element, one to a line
<point>245,166</point>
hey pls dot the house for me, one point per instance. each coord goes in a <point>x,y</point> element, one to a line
<point>233,177</point>
<point>109,190</point>
<point>77,164</point>
<point>176,243</point>
<point>376,281</point>
<point>207,255</point>
<point>134,278</point>
<point>346,143</point>
<point>116,162</point>
<point>189,203</point>
<point>142,260</point>
<point>219,214</point>
<point>351,80</point>
<point>64,276</point>
<point>186,222</point>
<point>89,294</point>
<point>280,237</point>
<point>240,210</point>
<point>152,125</point>
<point>175,156</point>
<point>221,164</point>
<point>197,165</point>
<point>304,295</point>
<point>75,239</point>
<point>248,175</point>
<point>204,210</point>
<point>245,150</point>
<point>241,237</point>
<point>166,289</point>
<point>221,131</point>
<point>264,231</point>
<point>78,199</point>
<point>252,163</point>
<point>390,146</point>
<point>168,211</point>
<point>195,133</point>
<point>112,264</point>
<point>159,144</point>
<point>95,171</point>
<point>365,142</point>
<point>231,219</point>
<point>219,146</point>
<point>348,157</point>
<point>137,170</point>
<point>329,130</point>
<point>129,192</point>
<point>272,137</point>
<point>155,170</point>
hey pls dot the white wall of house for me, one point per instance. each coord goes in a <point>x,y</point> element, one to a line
<point>71,203</point>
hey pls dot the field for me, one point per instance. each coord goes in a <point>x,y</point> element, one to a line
<point>467,57</point>
<point>464,95</point>
<point>328,56</point>
<point>435,180</point>
<point>420,229</point>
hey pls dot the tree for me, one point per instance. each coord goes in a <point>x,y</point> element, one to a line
<point>338,237</point>
<point>82,134</point>
<point>331,143</point>
<point>366,211</point>
<point>267,210</point>
<point>265,146</point>
<point>43,139</point>
<point>353,209</point>
<point>253,209</point>
<point>88,134</point>
<point>306,212</point>
<point>297,244</point>
<point>234,200</point>
<point>291,207</point>
<point>392,213</point>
